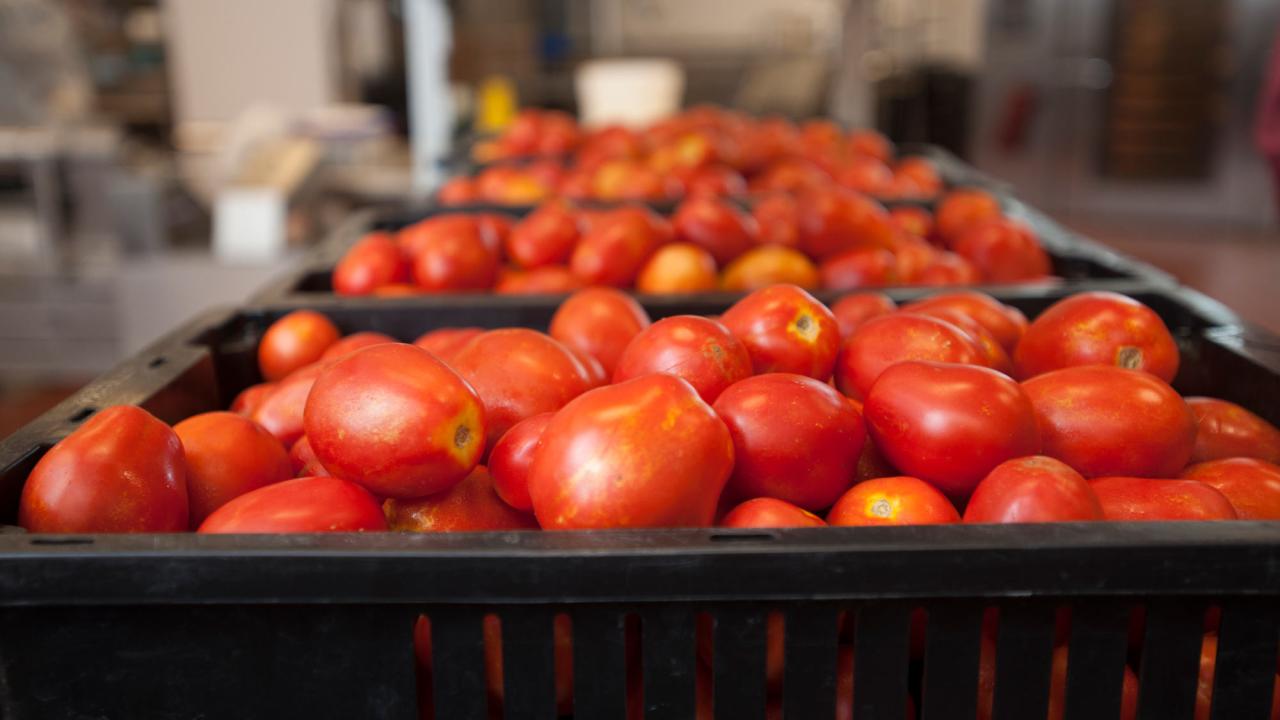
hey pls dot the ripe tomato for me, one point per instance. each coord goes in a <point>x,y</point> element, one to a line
<point>1098,328</point>
<point>859,268</point>
<point>544,237</point>
<point>413,238</point>
<point>599,322</point>
<point>495,228</point>
<point>511,458</point>
<point>458,191</point>
<point>1003,251</point>
<point>882,342</point>
<point>303,505</point>
<point>397,290</point>
<point>770,265</point>
<point>455,261</point>
<point>1030,490</point>
<point>833,220</point>
<point>1104,420</point>
<point>444,342</point>
<point>376,260</point>
<point>644,453</point>
<point>871,144</point>
<point>853,310</point>
<point>548,279</point>
<point>716,226</point>
<point>915,220</point>
<point>949,424</point>
<point>396,420</point>
<point>1252,486</point>
<point>1204,684</point>
<point>994,355</point>
<point>248,401</point>
<point>921,172</point>
<point>612,251</point>
<point>471,505</point>
<point>897,500</point>
<point>303,460</point>
<point>766,512</point>
<point>122,471</point>
<point>961,208</point>
<point>595,371</point>
<point>294,341</point>
<point>678,268</point>
<point>789,175</point>
<point>777,220</point>
<point>353,342</point>
<point>518,373</point>
<point>1136,498</point>
<point>713,181</point>
<point>865,175</point>
<point>1005,323</point>
<point>227,456</point>
<point>947,268</point>
<point>786,330</point>
<point>1226,430</point>
<point>700,351</point>
<point>281,412</point>
<point>794,438</point>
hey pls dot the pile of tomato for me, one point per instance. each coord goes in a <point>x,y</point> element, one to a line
<point>702,151</point>
<point>780,412</point>
<point>835,239</point>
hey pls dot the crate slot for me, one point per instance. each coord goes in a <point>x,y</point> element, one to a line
<point>740,664</point>
<point>1024,657</point>
<point>953,638</point>
<point>809,681</point>
<point>670,662</point>
<point>458,665</point>
<point>1244,670</point>
<point>82,414</point>
<point>600,665</point>
<point>1170,659</point>
<point>528,662</point>
<point>1096,659</point>
<point>880,660</point>
<point>741,537</point>
<point>61,541</point>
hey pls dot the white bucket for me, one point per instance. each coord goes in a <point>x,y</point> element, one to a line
<point>632,92</point>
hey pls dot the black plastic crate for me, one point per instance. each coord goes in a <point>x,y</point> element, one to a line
<point>179,626</point>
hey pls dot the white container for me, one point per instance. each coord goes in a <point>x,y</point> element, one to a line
<point>632,92</point>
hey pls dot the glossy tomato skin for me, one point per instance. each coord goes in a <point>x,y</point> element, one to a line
<point>302,505</point>
<point>701,351</point>
<point>960,209</point>
<point>511,458</point>
<point>715,225</point>
<point>786,330</point>
<point>1226,430</point>
<point>353,342</point>
<point>1128,499</point>
<point>777,220</point>
<point>444,342</point>
<point>280,413</point>
<point>248,401</point>
<point>833,220</point>
<point>303,460</point>
<point>881,342</point>
<point>518,373</point>
<point>294,341</point>
<point>949,424</point>
<point>612,250</point>
<point>644,453</point>
<point>456,261</point>
<point>898,500</point>
<point>376,260</point>
<point>1104,420</point>
<point>548,280</point>
<point>121,471</point>
<point>544,237</point>
<point>1098,328</point>
<point>227,456</point>
<point>770,265</point>
<point>859,268</point>
<point>471,505</point>
<point>1006,324</point>
<point>1031,490</point>
<point>678,268</point>
<point>993,353</point>
<point>765,512</point>
<point>794,438</point>
<point>599,322</point>
<point>854,309</point>
<point>413,238</point>
<point>914,220</point>
<point>1252,485</point>
<point>1003,251</point>
<point>396,420</point>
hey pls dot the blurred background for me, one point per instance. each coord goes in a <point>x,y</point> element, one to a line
<point>161,156</point>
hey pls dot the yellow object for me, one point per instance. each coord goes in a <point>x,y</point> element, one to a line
<point>497,106</point>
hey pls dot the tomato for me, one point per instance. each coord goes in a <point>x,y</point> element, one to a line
<point>548,279</point>
<point>678,268</point>
<point>413,238</point>
<point>948,424</point>
<point>302,505</point>
<point>713,181</point>
<point>900,500</point>
<point>1003,251</point>
<point>777,220</point>
<point>716,226</point>
<point>227,456</point>
<point>121,471</point>
<point>612,252</point>
<point>444,342</point>
<point>248,401</point>
<point>1098,328</point>
<point>594,370</point>
<point>1252,486</point>
<point>770,265</point>
<point>1226,430</point>
<point>858,268</point>
<point>947,268</point>
<point>518,373</point>
<point>794,438</point>
<point>1204,684</point>
<point>854,309</point>
<point>471,505</point>
<point>504,185</point>
<point>353,342</point>
<point>455,261</point>
<point>865,174</point>
<point>833,220</point>
<point>544,237</point>
<point>785,330</point>
<point>281,412</point>
<point>1032,489</point>
<point>915,220</point>
<point>1005,323</point>
<point>961,208</point>
<point>1137,498</point>
<point>789,175</point>
<point>458,191</point>
<point>511,458</point>
<point>701,351</point>
<point>494,228</point>
<point>396,420</point>
<point>921,172</point>
<point>994,355</point>
<point>599,322</point>
<point>303,460</point>
<point>870,143</point>
<point>1104,420</point>
<point>374,261</point>
<point>397,290</point>
<point>618,180</point>
<point>871,464</point>
<point>294,341</point>
<point>647,452</point>
<point>881,342</point>
<point>767,512</point>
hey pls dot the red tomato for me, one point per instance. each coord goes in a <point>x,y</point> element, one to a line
<point>303,460</point>
<point>353,342</point>
<point>1098,328</point>
<point>716,226</point>
<point>766,512</point>
<point>915,220</point>
<point>455,261</point>
<point>777,219</point>
<point>1226,430</point>
<point>495,228</point>
<point>396,420</point>
<point>871,464</point>
<point>504,185</point>
<point>1252,486</point>
<point>595,371</point>
<point>122,471</point>
<point>413,238</point>
<point>701,351</point>
<point>859,268</point>
<point>770,265</point>
<point>444,342</point>
<point>882,342</point>
<point>227,456</point>
<point>1135,498</point>
<point>458,191</point>
<point>678,268</point>
<point>294,341</point>
<point>518,373</point>
<point>303,505</point>
<point>471,505</point>
<point>612,251</point>
<point>794,438</point>
<point>865,174</point>
<point>1007,324</point>
<point>949,424</point>
<point>281,412</point>
<point>511,458</point>
<point>961,208</point>
<point>644,453</point>
<point>715,181</point>
<point>1204,684</point>
<point>397,290</point>
<point>922,174</point>
<point>870,143</point>
<point>374,261</point>
<point>947,268</point>
<point>898,500</point>
<point>786,330</point>
<point>994,355</point>
<point>1030,490</point>
<point>853,310</point>
<point>790,175</point>
<point>599,322</point>
<point>1104,420</point>
<point>833,220</point>
<point>1003,251</point>
<point>545,237</point>
<point>545,280</point>
<point>251,398</point>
